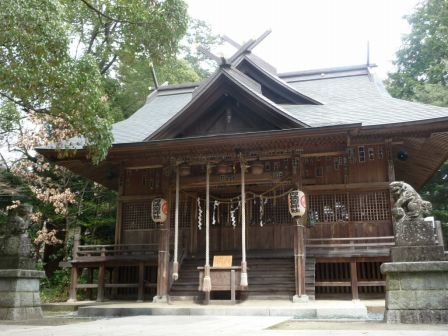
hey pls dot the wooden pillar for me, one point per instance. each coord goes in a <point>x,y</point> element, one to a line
<point>74,270</point>
<point>299,256</point>
<point>391,175</point>
<point>354,280</point>
<point>100,292</point>
<point>73,283</point>
<point>90,281</point>
<point>141,281</point>
<point>299,246</point>
<point>244,280</point>
<point>175,275</point>
<point>207,282</point>
<point>114,277</point>
<point>194,227</point>
<point>163,261</point>
<point>232,287</point>
<point>390,161</point>
<point>119,215</point>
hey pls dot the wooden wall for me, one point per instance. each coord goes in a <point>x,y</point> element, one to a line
<point>341,203</point>
<point>140,186</point>
<point>360,164</point>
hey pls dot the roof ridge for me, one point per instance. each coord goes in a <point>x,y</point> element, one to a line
<point>326,70</point>
<point>185,85</point>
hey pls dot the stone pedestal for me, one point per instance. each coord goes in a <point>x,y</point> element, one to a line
<point>417,253</point>
<point>19,294</point>
<point>416,292</point>
<point>417,277</point>
<point>300,298</point>
<point>19,281</point>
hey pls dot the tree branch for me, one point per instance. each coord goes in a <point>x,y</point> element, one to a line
<point>5,163</point>
<point>96,10</point>
<point>23,105</point>
<point>108,65</point>
<point>92,39</point>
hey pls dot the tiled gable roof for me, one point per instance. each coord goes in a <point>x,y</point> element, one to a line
<point>348,95</point>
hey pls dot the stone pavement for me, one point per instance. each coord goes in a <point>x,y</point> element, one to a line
<point>322,309</point>
<point>219,325</point>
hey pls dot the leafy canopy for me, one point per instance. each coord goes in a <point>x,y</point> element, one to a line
<point>58,56</point>
<point>422,61</point>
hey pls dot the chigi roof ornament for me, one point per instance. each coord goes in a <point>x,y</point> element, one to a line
<point>243,49</point>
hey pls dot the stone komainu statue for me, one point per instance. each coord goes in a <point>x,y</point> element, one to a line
<point>18,221</point>
<point>408,203</point>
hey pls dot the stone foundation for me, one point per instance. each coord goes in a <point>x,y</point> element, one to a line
<point>416,292</point>
<point>417,253</point>
<point>19,294</point>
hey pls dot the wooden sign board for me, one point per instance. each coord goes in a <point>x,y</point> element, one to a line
<point>222,261</point>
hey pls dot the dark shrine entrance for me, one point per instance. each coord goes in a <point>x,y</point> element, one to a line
<point>268,222</point>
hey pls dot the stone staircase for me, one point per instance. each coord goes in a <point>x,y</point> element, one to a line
<point>269,278</point>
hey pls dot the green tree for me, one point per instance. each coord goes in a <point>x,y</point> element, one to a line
<point>436,191</point>
<point>114,40</point>
<point>56,57</point>
<point>188,65</point>
<point>422,61</point>
<point>422,75</point>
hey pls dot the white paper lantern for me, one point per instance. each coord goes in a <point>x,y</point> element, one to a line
<point>159,210</point>
<point>297,203</point>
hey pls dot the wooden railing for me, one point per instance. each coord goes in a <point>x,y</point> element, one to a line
<point>111,257</point>
<point>86,252</point>
<point>349,246</point>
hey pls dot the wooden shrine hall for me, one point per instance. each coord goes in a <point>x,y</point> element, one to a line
<point>204,171</point>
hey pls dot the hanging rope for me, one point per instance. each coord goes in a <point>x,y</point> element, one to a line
<point>244,282</point>
<point>215,209</point>
<point>207,283</point>
<point>199,214</point>
<point>176,228</point>
<point>263,202</point>
<point>255,195</point>
<point>232,213</point>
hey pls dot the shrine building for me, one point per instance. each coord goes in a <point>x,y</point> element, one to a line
<point>204,171</point>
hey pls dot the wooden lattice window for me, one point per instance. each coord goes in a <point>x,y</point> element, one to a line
<point>361,154</point>
<point>274,211</point>
<point>370,206</point>
<point>185,208</point>
<point>362,206</point>
<point>137,216</point>
<point>328,207</point>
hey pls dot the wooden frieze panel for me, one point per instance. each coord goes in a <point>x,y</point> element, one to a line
<point>143,181</point>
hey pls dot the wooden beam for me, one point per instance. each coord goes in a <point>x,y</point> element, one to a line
<point>333,283</point>
<point>141,283</point>
<point>231,41</point>
<point>319,154</point>
<point>259,39</point>
<point>100,292</point>
<point>349,186</point>
<point>87,286</point>
<point>130,198</point>
<point>354,280</point>
<point>229,179</point>
<point>151,166</point>
<point>210,55</point>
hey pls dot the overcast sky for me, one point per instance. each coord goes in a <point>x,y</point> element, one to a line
<point>309,34</point>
